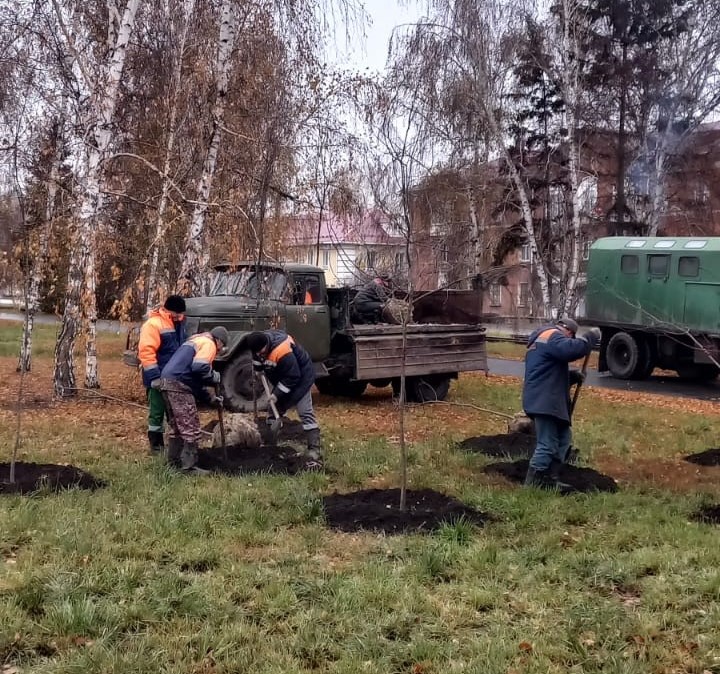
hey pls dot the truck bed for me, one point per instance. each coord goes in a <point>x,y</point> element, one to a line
<point>431,349</point>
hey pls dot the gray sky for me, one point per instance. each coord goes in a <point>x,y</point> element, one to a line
<point>371,53</point>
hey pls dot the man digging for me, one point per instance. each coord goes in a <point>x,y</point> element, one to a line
<point>182,382</point>
<point>290,370</point>
<point>546,397</point>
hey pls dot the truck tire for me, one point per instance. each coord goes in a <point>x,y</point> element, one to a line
<point>623,355</point>
<point>646,360</point>
<point>343,388</point>
<point>425,388</point>
<point>237,382</point>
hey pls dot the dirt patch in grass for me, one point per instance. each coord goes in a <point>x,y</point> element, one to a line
<point>672,474</point>
<point>34,477</point>
<point>280,460</point>
<point>710,457</point>
<point>582,479</point>
<point>709,514</point>
<point>378,510</point>
<point>513,445</point>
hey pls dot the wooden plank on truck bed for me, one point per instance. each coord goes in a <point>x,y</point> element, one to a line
<point>379,356</point>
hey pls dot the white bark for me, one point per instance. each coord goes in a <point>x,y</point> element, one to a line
<point>80,294</point>
<point>193,258</point>
<point>153,294</point>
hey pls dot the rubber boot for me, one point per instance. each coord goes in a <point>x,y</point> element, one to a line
<point>189,459</point>
<point>314,450</point>
<point>157,444</point>
<point>175,447</point>
<point>544,479</point>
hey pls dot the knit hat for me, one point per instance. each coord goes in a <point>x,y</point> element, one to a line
<point>221,334</point>
<point>256,341</point>
<point>175,303</point>
<point>569,323</point>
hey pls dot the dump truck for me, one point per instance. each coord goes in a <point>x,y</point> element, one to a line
<point>657,303</point>
<point>245,297</point>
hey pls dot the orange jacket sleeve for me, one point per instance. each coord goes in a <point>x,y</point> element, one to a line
<point>149,344</point>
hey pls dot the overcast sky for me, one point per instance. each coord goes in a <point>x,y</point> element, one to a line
<point>371,52</point>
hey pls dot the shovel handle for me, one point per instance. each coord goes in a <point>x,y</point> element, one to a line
<point>266,386</point>
<point>576,393</point>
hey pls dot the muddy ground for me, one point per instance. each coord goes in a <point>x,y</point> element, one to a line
<point>581,479</point>
<point>43,477</point>
<point>512,445</point>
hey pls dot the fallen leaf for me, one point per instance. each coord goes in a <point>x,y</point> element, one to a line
<point>525,646</point>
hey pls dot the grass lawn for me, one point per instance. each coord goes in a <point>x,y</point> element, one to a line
<point>161,573</point>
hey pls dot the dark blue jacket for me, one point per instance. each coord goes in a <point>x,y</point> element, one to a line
<point>288,367</point>
<point>547,372</point>
<point>192,363</point>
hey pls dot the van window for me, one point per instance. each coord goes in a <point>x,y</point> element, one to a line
<point>689,266</point>
<point>629,264</point>
<point>658,265</point>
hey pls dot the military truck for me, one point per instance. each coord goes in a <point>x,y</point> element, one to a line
<point>657,302</point>
<point>294,297</point>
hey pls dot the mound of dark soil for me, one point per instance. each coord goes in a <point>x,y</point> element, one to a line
<point>378,510</point>
<point>582,479</point>
<point>710,457</point>
<point>709,514</point>
<point>513,445</point>
<point>291,431</point>
<point>32,477</point>
<point>280,460</point>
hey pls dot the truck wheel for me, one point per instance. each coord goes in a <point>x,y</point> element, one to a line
<point>424,389</point>
<point>343,388</point>
<point>237,382</point>
<point>646,360</point>
<point>622,355</point>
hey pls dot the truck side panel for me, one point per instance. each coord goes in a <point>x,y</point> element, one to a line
<point>380,356</point>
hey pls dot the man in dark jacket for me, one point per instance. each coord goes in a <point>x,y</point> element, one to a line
<point>183,381</point>
<point>289,368</point>
<point>160,337</point>
<point>546,396</point>
<point>367,305</point>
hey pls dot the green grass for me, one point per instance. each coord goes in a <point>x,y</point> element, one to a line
<point>158,573</point>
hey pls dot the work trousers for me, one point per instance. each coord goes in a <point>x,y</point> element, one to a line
<point>553,441</point>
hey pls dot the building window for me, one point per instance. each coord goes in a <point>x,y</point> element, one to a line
<point>444,254</point>
<point>689,266</point>
<point>658,265</point>
<point>399,261</point>
<point>525,253</point>
<point>524,295</point>
<point>495,295</point>
<point>326,259</point>
<point>371,259</point>
<point>629,264</point>
<point>586,250</point>
<point>311,256</point>
<point>588,195</point>
<point>701,192</point>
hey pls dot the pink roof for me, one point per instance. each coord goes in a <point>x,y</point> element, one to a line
<point>371,228</point>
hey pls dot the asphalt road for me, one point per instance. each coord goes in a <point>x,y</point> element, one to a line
<point>669,386</point>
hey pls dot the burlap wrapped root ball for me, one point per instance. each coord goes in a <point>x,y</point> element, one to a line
<point>396,312</point>
<point>520,423</point>
<point>240,431</point>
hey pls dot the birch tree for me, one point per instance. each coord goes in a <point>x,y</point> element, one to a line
<point>97,94</point>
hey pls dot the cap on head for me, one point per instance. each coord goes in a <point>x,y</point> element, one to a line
<point>256,341</point>
<point>569,324</point>
<point>221,334</point>
<point>175,303</point>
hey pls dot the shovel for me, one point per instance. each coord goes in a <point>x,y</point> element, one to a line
<point>277,424</point>
<point>573,453</point>
<point>221,421</point>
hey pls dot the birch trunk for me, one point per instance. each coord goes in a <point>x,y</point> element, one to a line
<point>657,206</point>
<point>192,262</point>
<point>153,291</point>
<point>80,296</point>
<point>40,261</point>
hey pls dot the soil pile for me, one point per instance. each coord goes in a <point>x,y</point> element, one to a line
<point>513,445</point>
<point>34,477</point>
<point>709,514</point>
<point>710,457</point>
<point>280,460</point>
<point>378,510</point>
<point>582,479</point>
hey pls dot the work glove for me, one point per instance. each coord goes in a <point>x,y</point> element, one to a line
<point>216,377</point>
<point>156,384</point>
<point>592,337</point>
<point>257,365</point>
<point>217,401</point>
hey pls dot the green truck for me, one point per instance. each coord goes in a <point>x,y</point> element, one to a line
<point>657,303</point>
<point>294,297</point>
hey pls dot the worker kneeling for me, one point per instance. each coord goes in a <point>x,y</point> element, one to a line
<point>182,382</point>
<point>290,370</point>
